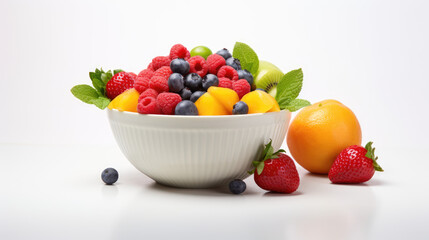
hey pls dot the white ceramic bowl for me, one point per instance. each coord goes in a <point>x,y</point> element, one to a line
<point>196,151</point>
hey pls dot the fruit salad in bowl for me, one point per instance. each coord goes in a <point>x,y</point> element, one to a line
<point>196,151</point>
<point>195,119</point>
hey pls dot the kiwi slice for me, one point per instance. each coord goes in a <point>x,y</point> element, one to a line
<point>267,77</point>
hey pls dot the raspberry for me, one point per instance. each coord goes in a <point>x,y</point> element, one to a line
<point>198,65</point>
<point>159,62</point>
<point>150,66</point>
<point>159,84</point>
<point>148,93</point>
<point>167,102</point>
<point>215,62</point>
<point>241,87</point>
<point>179,51</point>
<point>146,73</point>
<point>148,105</point>
<point>141,84</point>
<point>118,84</point>
<point>225,83</point>
<point>142,80</point>
<point>163,72</point>
<point>228,72</point>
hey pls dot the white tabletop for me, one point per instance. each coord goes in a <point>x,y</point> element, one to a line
<point>55,192</point>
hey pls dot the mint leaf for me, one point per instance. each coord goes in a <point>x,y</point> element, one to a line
<point>101,102</point>
<point>248,58</point>
<point>89,95</point>
<point>295,105</point>
<point>99,80</point>
<point>85,93</point>
<point>289,87</point>
<point>96,95</point>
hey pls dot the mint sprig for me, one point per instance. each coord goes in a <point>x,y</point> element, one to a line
<point>288,89</point>
<point>296,104</point>
<point>97,94</point>
<point>248,58</point>
<point>289,86</point>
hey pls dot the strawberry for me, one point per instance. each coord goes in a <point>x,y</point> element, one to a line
<point>118,84</point>
<point>354,164</point>
<point>276,172</point>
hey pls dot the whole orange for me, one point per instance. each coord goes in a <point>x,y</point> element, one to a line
<point>320,132</point>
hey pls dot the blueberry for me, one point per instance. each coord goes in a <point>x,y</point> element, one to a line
<point>109,176</point>
<point>244,74</point>
<point>186,107</point>
<point>196,95</point>
<point>240,108</point>
<point>224,53</point>
<point>234,63</point>
<point>179,65</point>
<point>210,80</point>
<point>176,82</point>
<point>193,81</point>
<point>237,186</point>
<point>261,89</point>
<point>185,93</point>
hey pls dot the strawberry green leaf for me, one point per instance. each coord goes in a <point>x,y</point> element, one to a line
<point>266,149</point>
<point>248,58</point>
<point>256,163</point>
<point>260,168</point>
<point>376,166</point>
<point>268,153</point>
<point>369,150</point>
<point>117,71</point>
<point>279,151</point>
<point>85,93</point>
<point>370,153</point>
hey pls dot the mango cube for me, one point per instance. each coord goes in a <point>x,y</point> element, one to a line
<point>126,101</point>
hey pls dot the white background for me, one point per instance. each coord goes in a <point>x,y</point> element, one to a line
<point>370,55</point>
